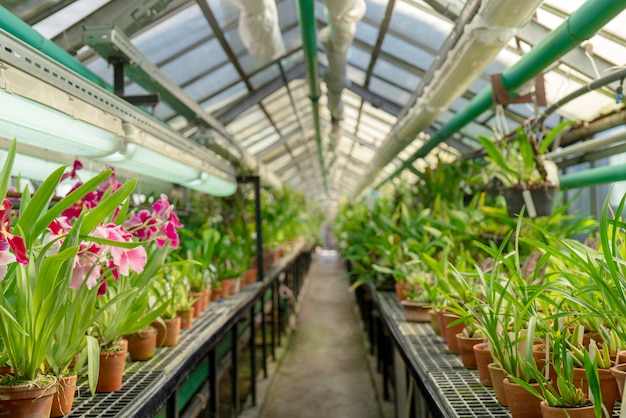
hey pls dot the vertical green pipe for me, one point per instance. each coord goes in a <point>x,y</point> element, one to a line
<point>579,26</point>
<point>600,175</point>
<point>306,15</point>
<point>21,30</point>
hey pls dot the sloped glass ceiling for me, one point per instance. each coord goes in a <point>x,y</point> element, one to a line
<point>265,105</point>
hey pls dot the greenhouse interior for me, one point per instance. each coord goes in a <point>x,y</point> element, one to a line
<point>299,208</point>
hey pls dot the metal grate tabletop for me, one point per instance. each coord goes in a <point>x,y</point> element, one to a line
<point>454,390</point>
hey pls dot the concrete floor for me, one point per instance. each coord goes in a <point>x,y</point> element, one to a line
<point>325,371</point>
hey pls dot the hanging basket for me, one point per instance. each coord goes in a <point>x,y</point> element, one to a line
<point>542,196</point>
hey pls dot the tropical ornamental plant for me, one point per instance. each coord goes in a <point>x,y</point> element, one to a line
<point>46,300</point>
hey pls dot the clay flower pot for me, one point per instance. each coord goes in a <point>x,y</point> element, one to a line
<point>142,344</point>
<point>548,411</point>
<point>415,312</point>
<point>168,335</point>
<point>249,276</point>
<point>521,403</point>
<point>451,331</point>
<point>186,318</point>
<point>497,378</point>
<point>466,349</point>
<point>401,288</point>
<point>112,369</point>
<point>26,401</point>
<point>483,360</point>
<point>198,304</point>
<point>64,398</point>
<point>619,372</point>
<point>608,386</point>
<point>207,297</point>
<point>216,293</point>
<point>434,322</point>
<point>442,327</point>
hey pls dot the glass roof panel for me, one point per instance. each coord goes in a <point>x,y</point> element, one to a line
<point>212,83</point>
<point>162,40</point>
<point>401,77</point>
<point>414,23</point>
<point>411,53</point>
<point>389,92</point>
<point>225,11</point>
<point>195,62</point>
<point>69,15</point>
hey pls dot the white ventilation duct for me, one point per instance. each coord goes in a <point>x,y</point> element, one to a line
<point>337,37</point>
<point>483,37</point>
<point>259,28</point>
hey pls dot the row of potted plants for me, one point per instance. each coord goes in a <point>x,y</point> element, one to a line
<point>514,282</point>
<point>83,276</point>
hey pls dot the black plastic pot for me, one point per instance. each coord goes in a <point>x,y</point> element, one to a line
<point>542,195</point>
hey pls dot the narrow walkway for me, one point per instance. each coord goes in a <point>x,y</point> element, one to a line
<point>325,371</point>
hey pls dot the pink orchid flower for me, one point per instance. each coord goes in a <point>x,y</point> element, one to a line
<point>15,242</point>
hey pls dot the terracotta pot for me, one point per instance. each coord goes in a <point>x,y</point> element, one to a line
<point>63,400</point>
<point>442,328</point>
<point>483,359</point>
<point>142,344</point>
<point>225,286</point>
<point>521,403</point>
<point>497,378</point>
<point>249,276</point>
<point>112,369</point>
<point>608,386</point>
<point>466,349</point>
<point>619,372</point>
<point>451,331</point>
<point>198,304</point>
<point>168,334</point>
<point>26,401</point>
<point>401,287</point>
<point>207,297</point>
<point>235,283</point>
<point>539,355</point>
<point>434,322</point>
<point>415,312</point>
<point>548,411</point>
<point>216,293</point>
<point>186,318</point>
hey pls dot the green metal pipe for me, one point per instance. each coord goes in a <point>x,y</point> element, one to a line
<point>600,175</point>
<point>21,30</point>
<point>308,29</point>
<point>579,26</point>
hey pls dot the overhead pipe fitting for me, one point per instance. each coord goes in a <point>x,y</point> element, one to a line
<point>259,28</point>
<point>483,37</point>
<point>578,27</point>
<point>337,38</point>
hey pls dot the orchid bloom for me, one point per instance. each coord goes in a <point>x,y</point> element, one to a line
<point>159,225</point>
<point>7,240</point>
<point>124,258</point>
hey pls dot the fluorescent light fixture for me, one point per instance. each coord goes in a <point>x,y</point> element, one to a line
<point>142,160</point>
<point>213,185</point>
<point>35,124</point>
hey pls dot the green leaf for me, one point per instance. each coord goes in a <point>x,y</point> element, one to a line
<point>93,362</point>
<point>40,201</point>
<point>106,207</point>
<point>547,141</point>
<point>7,168</point>
<point>56,210</point>
<point>496,155</point>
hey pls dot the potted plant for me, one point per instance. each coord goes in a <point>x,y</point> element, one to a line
<point>39,278</point>
<point>519,171</point>
<point>566,398</point>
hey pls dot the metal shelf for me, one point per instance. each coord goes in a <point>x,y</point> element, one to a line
<point>450,390</point>
<point>150,385</point>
